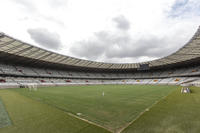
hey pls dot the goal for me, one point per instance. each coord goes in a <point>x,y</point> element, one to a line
<point>32,87</point>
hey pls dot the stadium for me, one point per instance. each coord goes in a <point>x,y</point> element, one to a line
<point>42,91</point>
<point>100,66</point>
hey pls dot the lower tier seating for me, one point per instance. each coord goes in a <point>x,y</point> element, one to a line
<point>16,82</point>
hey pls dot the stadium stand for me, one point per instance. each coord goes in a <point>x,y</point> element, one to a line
<point>22,63</point>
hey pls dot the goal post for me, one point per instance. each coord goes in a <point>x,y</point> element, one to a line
<point>32,87</point>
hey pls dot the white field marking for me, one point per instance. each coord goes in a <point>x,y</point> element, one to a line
<point>90,122</point>
<point>146,110</point>
<point>78,113</point>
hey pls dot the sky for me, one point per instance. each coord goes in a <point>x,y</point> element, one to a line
<point>117,31</point>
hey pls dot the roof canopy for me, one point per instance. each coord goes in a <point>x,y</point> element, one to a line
<point>9,45</point>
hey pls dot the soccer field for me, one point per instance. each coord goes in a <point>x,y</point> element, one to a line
<point>120,104</point>
<point>84,109</point>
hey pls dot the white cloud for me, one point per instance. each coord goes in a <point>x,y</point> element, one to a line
<point>160,26</point>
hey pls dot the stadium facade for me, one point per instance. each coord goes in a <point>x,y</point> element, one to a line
<point>22,64</point>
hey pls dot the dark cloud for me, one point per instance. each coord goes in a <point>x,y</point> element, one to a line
<point>91,48</point>
<point>45,38</point>
<point>151,47</point>
<point>122,23</point>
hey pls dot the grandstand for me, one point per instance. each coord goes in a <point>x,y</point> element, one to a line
<point>22,63</point>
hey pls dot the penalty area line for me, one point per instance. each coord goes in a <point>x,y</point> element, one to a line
<point>90,122</point>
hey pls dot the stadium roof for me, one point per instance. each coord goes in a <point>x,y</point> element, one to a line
<point>12,46</point>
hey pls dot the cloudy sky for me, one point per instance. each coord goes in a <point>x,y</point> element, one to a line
<point>117,31</point>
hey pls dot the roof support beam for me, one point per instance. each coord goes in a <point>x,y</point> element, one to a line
<point>6,43</point>
<point>15,47</point>
<point>23,50</point>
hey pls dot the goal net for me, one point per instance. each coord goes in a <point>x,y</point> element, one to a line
<point>32,87</point>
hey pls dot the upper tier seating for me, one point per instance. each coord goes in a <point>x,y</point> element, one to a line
<point>26,71</point>
<point>12,70</point>
<point>9,69</point>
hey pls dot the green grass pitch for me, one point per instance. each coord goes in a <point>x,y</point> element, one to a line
<point>48,109</point>
<point>119,105</point>
<point>30,116</point>
<point>177,113</point>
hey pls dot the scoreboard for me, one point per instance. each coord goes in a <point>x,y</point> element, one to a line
<point>144,67</point>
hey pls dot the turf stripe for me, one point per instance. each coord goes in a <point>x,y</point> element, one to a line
<point>4,118</point>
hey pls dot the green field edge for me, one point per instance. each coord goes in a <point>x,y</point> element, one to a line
<point>146,110</point>
<point>10,122</point>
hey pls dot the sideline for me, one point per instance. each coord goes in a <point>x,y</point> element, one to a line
<point>146,110</point>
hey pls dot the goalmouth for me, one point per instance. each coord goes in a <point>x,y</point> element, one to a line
<point>30,86</point>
